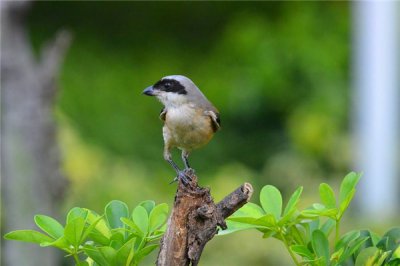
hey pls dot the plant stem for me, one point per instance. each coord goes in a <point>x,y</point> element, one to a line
<point>142,243</point>
<point>337,231</point>
<point>288,249</point>
<point>76,258</point>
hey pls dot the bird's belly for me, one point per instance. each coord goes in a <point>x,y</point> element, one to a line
<point>188,129</point>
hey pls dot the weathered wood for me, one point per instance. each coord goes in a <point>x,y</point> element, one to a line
<point>194,221</point>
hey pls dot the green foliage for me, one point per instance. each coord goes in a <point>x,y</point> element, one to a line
<point>306,233</point>
<point>119,237</point>
<point>114,238</point>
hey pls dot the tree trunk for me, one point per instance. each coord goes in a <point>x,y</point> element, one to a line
<point>31,179</point>
<point>194,221</point>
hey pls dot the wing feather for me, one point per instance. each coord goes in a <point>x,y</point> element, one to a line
<point>215,120</point>
<point>163,113</point>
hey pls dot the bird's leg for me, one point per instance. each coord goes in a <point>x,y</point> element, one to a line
<point>180,174</point>
<point>185,156</point>
<point>188,171</point>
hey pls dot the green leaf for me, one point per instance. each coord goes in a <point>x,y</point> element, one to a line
<point>393,238</point>
<point>348,184</point>
<point>395,262</point>
<point>101,226</point>
<point>336,255</point>
<point>292,203</point>
<point>311,227</point>
<point>383,243</point>
<point>374,238</point>
<point>31,236</point>
<point>327,195</point>
<point>132,225</point>
<point>352,248</point>
<point>49,225</point>
<point>125,252</point>
<point>91,227</point>
<point>99,238</point>
<point>308,214</point>
<point>268,233</point>
<point>328,226</point>
<point>382,257</point>
<point>129,260</point>
<point>249,210</point>
<point>95,255</point>
<point>83,263</point>
<point>319,206</point>
<point>139,216</point>
<point>320,212</point>
<point>235,227</point>
<point>118,238</point>
<point>157,235</point>
<point>114,211</point>
<point>302,251</point>
<point>60,243</point>
<point>73,231</point>
<point>346,202</point>
<point>396,253</point>
<point>367,257</point>
<point>245,220</point>
<point>298,234</point>
<point>320,245</point>
<point>148,205</point>
<point>346,239</point>
<point>144,252</point>
<point>158,217</point>
<point>368,243</point>
<point>271,201</point>
<point>267,220</point>
<point>109,254</point>
<point>289,218</point>
<point>77,212</point>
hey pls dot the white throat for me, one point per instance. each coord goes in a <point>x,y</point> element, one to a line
<point>172,100</point>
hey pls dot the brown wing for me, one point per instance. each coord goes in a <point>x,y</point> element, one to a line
<point>215,120</point>
<point>163,113</point>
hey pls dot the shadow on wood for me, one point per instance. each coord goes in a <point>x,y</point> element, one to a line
<point>194,221</point>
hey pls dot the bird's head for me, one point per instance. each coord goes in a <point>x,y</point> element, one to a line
<point>174,91</point>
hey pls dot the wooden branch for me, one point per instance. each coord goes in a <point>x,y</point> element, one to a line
<point>194,221</point>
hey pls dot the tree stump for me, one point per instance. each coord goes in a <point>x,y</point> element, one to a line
<point>194,221</point>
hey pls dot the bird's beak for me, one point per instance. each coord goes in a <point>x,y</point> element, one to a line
<point>149,91</point>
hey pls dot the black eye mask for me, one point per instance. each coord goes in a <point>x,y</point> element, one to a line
<point>170,85</point>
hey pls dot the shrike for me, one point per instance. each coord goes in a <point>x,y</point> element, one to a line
<point>190,120</point>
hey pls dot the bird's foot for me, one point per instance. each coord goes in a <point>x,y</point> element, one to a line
<point>189,172</point>
<point>184,176</point>
<point>174,180</point>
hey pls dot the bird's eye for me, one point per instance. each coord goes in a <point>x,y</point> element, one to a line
<point>167,85</point>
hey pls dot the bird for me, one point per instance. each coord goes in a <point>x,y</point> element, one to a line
<point>190,119</point>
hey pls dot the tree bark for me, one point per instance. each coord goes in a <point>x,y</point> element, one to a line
<point>31,178</point>
<point>194,221</point>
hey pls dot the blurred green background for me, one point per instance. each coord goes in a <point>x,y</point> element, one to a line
<point>277,71</point>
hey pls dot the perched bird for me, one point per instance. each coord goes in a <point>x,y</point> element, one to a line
<point>190,120</point>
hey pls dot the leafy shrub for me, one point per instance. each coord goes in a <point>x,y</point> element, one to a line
<point>306,233</point>
<point>120,238</point>
<point>114,238</point>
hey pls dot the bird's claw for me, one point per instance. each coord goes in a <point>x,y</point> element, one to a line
<point>182,175</point>
<point>189,171</point>
<point>174,180</point>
